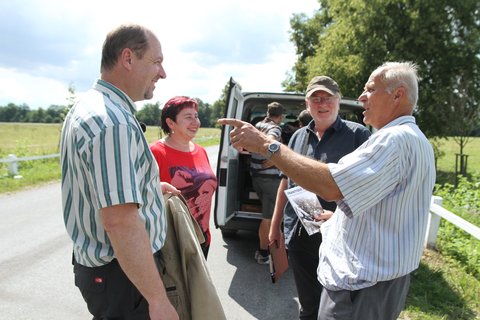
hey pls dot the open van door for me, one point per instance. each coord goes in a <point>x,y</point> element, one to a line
<point>227,164</point>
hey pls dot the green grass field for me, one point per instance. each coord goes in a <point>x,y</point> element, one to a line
<point>446,163</point>
<point>29,138</point>
<point>441,288</point>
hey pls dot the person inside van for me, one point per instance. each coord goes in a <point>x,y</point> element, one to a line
<point>266,178</point>
<point>304,118</point>
<point>327,138</point>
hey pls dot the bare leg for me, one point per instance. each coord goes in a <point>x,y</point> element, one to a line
<point>263,231</point>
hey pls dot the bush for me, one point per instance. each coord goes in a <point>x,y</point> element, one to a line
<point>453,242</point>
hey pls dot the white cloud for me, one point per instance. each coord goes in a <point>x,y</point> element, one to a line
<point>45,48</point>
<point>35,91</point>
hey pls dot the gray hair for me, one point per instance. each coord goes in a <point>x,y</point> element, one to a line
<point>400,74</point>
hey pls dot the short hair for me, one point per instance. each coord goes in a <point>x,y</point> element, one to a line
<point>132,36</point>
<point>274,109</point>
<point>400,74</point>
<point>304,118</point>
<point>173,107</point>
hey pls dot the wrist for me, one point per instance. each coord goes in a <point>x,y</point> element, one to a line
<point>273,147</point>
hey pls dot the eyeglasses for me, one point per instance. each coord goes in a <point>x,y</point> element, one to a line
<point>319,100</point>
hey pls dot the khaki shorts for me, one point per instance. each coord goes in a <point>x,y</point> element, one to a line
<point>266,189</point>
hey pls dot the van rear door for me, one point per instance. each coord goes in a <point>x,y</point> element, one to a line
<point>228,160</point>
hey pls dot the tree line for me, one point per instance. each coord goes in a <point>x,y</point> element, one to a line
<point>149,114</point>
<point>23,113</point>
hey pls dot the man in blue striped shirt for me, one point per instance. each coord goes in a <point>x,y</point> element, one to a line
<point>383,189</point>
<point>112,200</point>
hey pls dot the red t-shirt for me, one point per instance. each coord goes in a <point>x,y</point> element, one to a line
<point>191,173</point>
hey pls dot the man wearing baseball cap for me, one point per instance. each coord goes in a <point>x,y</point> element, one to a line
<point>375,238</point>
<point>327,138</point>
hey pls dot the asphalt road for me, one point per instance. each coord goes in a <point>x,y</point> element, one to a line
<point>36,279</point>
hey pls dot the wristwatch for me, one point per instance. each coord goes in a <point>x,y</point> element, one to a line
<point>272,148</point>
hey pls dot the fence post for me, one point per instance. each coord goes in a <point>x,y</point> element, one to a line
<point>433,225</point>
<point>13,166</point>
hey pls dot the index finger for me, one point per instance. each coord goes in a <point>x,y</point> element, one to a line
<point>231,122</point>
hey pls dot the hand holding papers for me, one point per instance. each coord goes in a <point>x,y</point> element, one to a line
<point>306,206</point>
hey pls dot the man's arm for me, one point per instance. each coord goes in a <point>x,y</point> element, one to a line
<point>131,244</point>
<point>277,217</point>
<point>307,173</point>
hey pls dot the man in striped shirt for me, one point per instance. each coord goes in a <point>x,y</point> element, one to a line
<point>375,238</point>
<point>266,178</point>
<point>112,200</point>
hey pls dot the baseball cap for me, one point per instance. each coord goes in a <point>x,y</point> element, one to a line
<point>322,83</point>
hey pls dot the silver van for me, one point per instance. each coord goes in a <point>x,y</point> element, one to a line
<point>237,206</point>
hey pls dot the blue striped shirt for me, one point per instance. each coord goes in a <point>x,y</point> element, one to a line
<point>106,161</point>
<point>378,229</point>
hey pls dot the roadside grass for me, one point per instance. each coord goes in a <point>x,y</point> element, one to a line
<point>33,139</point>
<point>446,286</point>
<point>33,174</point>
<point>440,289</point>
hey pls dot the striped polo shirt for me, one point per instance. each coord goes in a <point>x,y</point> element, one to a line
<point>270,128</point>
<point>106,161</point>
<point>378,229</point>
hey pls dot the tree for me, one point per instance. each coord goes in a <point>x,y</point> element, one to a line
<point>150,114</point>
<point>14,113</point>
<point>37,116</point>
<point>55,114</point>
<point>348,39</point>
<point>72,97</point>
<point>204,113</point>
<point>464,118</point>
<point>218,107</point>
<point>465,114</point>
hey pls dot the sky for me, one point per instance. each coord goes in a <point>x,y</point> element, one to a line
<point>47,46</point>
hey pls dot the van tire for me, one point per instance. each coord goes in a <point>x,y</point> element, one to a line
<point>228,233</point>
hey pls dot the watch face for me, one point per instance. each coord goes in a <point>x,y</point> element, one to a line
<point>273,147</point>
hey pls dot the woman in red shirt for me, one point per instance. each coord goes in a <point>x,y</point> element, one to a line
<point>185,164</point>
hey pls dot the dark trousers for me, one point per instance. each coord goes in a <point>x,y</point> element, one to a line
<point>384,301</point>
<point>109,293</point>
<point>303,257</point>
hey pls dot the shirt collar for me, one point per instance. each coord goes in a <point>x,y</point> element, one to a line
<point>110,89</point>
<point>337,125</point>
<point>399,121</point>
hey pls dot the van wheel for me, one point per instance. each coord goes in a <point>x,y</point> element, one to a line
<point>228,233</point>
